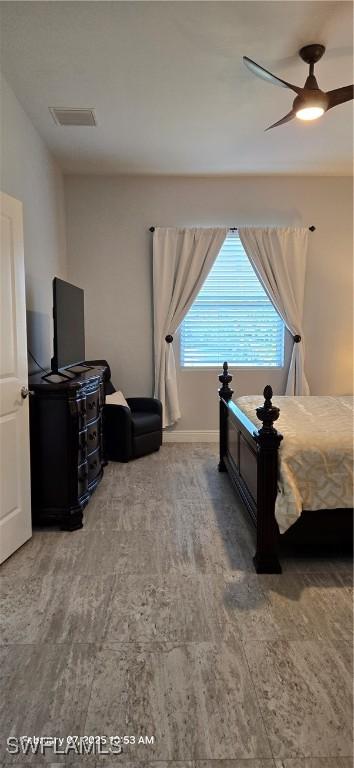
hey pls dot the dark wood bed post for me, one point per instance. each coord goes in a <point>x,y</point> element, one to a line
<point>225,394</point>
<point>268,441</point>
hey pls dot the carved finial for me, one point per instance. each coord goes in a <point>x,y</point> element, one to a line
<point>267,413</point>
<point>225,392</point>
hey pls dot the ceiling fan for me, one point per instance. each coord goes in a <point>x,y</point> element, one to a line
<point>310,102</point>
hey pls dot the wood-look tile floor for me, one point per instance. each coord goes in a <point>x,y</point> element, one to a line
<point>151,621</point>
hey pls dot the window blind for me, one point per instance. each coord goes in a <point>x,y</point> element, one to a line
<point>232,317</point>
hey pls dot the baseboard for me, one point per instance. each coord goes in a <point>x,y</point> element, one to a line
<point>191,436</point>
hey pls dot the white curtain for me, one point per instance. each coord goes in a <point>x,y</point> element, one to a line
<point>182,259</point>
<point>278,257</point>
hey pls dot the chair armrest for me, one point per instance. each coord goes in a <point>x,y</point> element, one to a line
<point>117,416</point>
<point>149,404</point>
<point>117,432</point>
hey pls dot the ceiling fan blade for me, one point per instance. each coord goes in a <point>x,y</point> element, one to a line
<point>340,95</point>
<point>285,119</point>
<point>268,76</point>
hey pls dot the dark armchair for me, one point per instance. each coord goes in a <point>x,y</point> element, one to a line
<point>132,432</point>
<point>129,433</point>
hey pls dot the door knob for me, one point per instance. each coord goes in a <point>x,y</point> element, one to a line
<point>25,392</point>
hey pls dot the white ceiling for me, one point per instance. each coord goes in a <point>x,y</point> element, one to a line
<point>169,87</point>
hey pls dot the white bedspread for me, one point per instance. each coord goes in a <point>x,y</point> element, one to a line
<point>316,454</point>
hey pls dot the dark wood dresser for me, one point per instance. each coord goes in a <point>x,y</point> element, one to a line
<point>66,446</point>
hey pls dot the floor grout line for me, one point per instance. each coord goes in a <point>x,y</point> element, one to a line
<point>256,694</point>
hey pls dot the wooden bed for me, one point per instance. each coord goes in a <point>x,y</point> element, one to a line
<point>250,457</point>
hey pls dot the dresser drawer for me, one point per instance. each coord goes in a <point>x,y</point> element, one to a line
<point>93,435</point>
<point>92,406</point>
<point>81,410</point>
<point>94,465</point>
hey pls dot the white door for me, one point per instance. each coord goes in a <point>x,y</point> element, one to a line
<point>15,496</point>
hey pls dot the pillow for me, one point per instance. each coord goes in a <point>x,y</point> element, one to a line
<point>116,398</point>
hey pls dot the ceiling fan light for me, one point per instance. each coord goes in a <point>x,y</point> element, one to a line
<point>309,113</point>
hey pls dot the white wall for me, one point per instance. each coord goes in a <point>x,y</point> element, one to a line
<point>109,255</point>
<point>29,173</point>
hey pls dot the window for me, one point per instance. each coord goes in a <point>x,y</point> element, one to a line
<point>232,317</point>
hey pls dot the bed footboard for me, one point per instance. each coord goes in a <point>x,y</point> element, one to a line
<point>250,457</point>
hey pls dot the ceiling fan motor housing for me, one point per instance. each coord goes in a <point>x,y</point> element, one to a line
<point>312,97</point>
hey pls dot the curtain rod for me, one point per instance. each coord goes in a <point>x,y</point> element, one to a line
<point>234,229</point>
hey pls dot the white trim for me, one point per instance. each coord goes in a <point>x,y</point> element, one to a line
<point>191,436</point>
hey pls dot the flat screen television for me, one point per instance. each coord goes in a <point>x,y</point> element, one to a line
<point>69,325</point>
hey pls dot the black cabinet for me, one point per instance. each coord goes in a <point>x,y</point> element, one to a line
<point>66,446</point>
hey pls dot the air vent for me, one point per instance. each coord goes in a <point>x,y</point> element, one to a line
<point>73,116</point>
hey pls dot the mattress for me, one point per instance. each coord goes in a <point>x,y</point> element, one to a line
<point>316,454</point>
